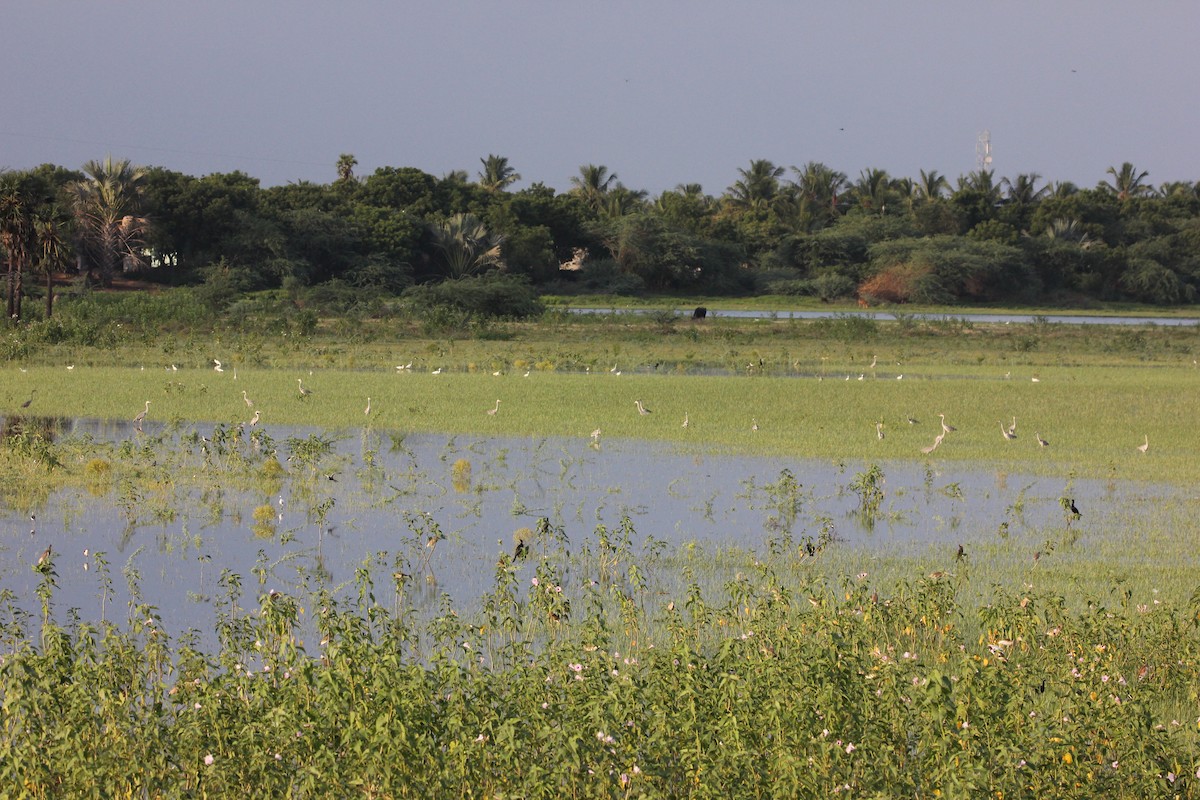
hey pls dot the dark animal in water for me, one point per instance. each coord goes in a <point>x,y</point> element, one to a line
<point>700,313</point>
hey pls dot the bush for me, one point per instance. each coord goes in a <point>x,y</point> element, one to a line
<point>492,295</point>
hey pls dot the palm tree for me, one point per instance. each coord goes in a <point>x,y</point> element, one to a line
<point>1126,182</point>
<point>51,224</point>
<point>757,187</point>
<point>466,245</point>
<point>1023,189</point>
<point>592,184</point>
<point>821,186</point>
<point>345,167</point>
<point>497,174</point>
<point>931,185</point>
<point>874,189</point>
<point>16,230</point>
<point>107,224</point>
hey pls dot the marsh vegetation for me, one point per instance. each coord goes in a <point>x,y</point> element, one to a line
<point>412,596</point>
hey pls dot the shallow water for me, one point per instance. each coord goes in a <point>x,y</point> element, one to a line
<point>370,500</point>
<point>1065,319</point>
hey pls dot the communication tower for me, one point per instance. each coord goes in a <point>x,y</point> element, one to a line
<point>983,151</point>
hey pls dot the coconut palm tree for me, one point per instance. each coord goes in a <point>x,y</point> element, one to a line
<point>1126,182</point>
<point>593,183</point>
<point>1023,189</point>
<point>758,187</point>
<point>497,175</point>
<point>465,245</point>
<point>821,186</point>
<point>931,185</point>
<point>107,225</point>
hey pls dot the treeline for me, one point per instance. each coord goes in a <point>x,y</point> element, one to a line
<point>807,230</point>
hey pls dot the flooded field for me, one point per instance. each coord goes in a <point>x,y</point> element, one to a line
<point>439,510</point>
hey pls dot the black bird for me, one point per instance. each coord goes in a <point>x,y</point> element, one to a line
<point>1074,510</point>
<point>521,551</point>
<point>960,555</point>
<point>30,400</point>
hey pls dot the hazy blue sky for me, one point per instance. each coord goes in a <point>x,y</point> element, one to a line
<point>662,93</point>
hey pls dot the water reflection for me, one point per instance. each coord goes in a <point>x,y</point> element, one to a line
<point>436,511</point>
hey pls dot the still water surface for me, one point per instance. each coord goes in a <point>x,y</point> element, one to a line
<point>379,493</point>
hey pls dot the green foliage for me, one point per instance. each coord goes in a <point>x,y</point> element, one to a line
<point>493,295</point>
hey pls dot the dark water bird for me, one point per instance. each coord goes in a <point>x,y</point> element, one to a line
<point>520,551</point>
<point>1073,509</point>
<point>30,400</point>
<point>960,555</point>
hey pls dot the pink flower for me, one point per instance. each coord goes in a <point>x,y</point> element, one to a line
<point>208,760</point>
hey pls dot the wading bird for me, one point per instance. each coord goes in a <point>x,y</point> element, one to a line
<point>1012,429</point>
<point>437,371</point>
<point>596,438</point>
<point>879,430</point>
<point>44,559</point>
<point>254,419</point>
<point>1006,432</point>
<point>303,392</point>
<point>492,411</point>
<point>934,446</point>
<point>367,410</point>
<point>946,428</point>
<point>753,424</point>
<point>912,420</point>
<point>1144,446</point>
<point>142,415</point>
<point>1074,511</point>
<point>218,367</point>
<point>30,400</point>
<point>641,408</point>
<point>685,420</point>
<point>874,361</point>
<point>249,403</point>
<point>1041,442</point>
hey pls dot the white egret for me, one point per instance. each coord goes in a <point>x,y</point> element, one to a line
<point>1144,446</point>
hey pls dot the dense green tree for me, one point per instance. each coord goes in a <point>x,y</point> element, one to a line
<point>17,202</point>
<point>931,186</point>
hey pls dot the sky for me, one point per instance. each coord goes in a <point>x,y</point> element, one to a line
<point>662,93</point>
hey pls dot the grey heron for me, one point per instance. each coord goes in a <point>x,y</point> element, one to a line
<point>367,410</point>
<point>879,430</point>
<point>1144,446</point>
<point>685,420</point>
<point>492,411</point>
<point>1041,442</point>
<point>641,408</point>
<point>946,428</point>
<point>249,403</point>
<point>254,419</point>
<point>753,424</point>
<point>303,392</point>
<point>934,446</point>
<point>142,415</point>
<point>30,400</point>
<point>1006,432</point>
<point>218,367</point>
